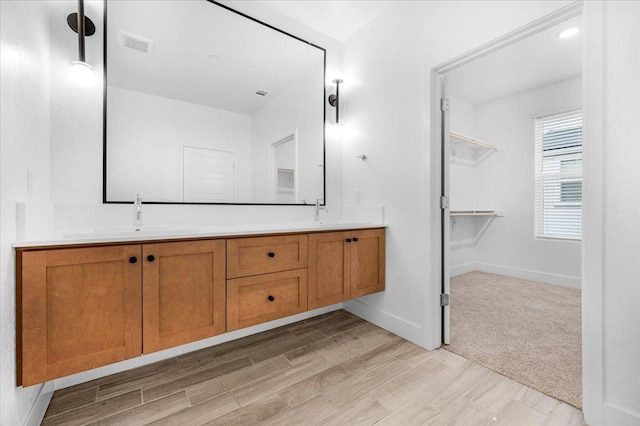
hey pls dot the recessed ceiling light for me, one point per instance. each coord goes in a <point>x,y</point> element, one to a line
<point>569,32</point>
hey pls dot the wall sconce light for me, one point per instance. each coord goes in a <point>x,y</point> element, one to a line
<point>334,100</point>
<point>81,71</point>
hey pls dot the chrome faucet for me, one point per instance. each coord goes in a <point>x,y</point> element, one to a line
<point>137,212</point>
<point>316,216</point>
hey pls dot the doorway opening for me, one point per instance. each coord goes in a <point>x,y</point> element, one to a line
<point>510,164</point>
<point>283,168</point>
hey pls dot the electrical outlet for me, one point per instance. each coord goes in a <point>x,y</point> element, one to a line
<point>358,196</point>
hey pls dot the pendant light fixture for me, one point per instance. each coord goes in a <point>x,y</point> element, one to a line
<point>81,71</point>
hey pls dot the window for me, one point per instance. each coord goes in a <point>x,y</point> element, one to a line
<point>559,176</point>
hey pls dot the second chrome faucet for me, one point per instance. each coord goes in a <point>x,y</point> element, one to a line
<point>316,216</point>
<point>137,212</point>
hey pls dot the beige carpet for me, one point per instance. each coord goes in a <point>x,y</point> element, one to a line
<point>525,330</point>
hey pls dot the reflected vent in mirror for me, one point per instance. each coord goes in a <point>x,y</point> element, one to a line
<point>135,42</point>
<point>262,93</point>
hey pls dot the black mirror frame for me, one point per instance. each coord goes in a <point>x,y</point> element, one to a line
<point>104,119</point>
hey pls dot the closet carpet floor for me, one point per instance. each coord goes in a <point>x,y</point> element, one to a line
<point>334,369</point>
<point>525,330</point>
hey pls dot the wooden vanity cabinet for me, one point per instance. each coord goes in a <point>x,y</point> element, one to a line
<point>183,292</point>
<point>82,308</point>
<point>345,265</point>
<point>77,309</point>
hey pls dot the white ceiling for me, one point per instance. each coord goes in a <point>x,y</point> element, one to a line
<point>535,62</point>
<point>185,34</point>
<point>339,19</point>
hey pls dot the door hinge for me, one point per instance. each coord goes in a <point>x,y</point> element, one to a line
<point>444,202</point>
<point>444,299</point>
<point>444,104</point>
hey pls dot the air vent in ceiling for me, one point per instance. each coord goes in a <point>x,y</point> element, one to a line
<point>262,93</point>
<point>135,42</point>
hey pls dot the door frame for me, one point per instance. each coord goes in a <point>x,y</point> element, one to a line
<point>273,176</point>
<point>593,172</point>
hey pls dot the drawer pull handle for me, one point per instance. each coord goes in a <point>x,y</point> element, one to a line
<point>133,259</point>
<point>271,298</point>
<point>355,240</point>
<point>151,258</point>
<point>348,240</point>
<point>271,254</point>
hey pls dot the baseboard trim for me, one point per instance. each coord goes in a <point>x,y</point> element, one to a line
<point>40,405</point>
<point>525,274</point>
<point>403,328</point>
<point>462,269</point>
<point>129,364</point>
<point>619,416</point>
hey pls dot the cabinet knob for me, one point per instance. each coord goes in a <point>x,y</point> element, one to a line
<point>271,254</point>
<point>271,298</point>
<point>348,240</point>
<point>355,239</point>
<point>133,259</point>
<point>151,258</point>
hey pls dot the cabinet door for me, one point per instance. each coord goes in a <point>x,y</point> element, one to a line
<point>261,298</point>
<point>329,269</point>
<point>184,292</point>
<point>367,262</point>
<point>78,309</point>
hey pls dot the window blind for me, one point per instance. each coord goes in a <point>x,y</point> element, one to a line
<point>558,175</point>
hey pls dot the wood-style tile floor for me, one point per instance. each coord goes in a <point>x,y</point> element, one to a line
<point>335,369</point>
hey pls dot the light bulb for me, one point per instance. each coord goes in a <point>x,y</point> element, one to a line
<point>82,73</point>
<point>569,32</point>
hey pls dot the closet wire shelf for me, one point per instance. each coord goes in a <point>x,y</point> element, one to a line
<point>475,142</point>
<point>459,213</point>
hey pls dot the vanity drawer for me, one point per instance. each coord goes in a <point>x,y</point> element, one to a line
<point>262,255</point>
<point>262,298</point>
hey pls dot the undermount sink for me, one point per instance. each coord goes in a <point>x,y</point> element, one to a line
<point>130,231</point>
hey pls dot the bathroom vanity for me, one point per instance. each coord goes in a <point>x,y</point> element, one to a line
<point>88,303</point>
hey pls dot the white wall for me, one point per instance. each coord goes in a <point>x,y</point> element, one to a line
<point>505,181</point>
<point>387,116</point>
<point>621,233</point>
<point>300,103</point>
<point>24,150</point>
<point>147,134</point>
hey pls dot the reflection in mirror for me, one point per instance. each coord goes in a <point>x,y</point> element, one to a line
<point>206,105</point>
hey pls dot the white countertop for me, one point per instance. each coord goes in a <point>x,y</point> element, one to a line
<point>153,233</point>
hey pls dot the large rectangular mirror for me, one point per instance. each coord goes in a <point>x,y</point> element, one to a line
<point>206,105</point>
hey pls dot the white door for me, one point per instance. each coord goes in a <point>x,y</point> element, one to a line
<point>209,175</point>
<point>444,209</point>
